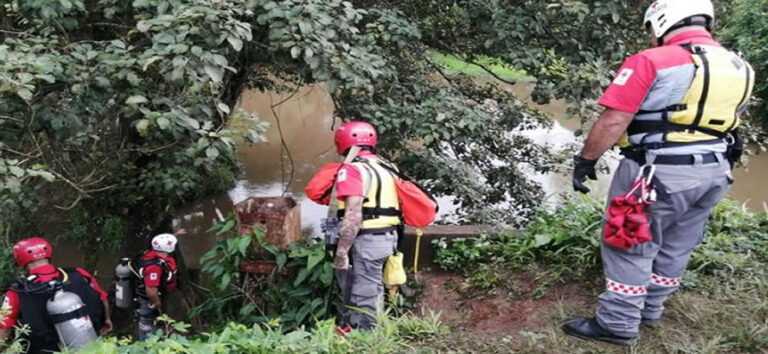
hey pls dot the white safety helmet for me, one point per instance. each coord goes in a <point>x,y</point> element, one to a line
<point>164,243</point>
<point>664,16</point>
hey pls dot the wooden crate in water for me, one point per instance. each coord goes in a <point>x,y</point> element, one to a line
<point>280,217</point>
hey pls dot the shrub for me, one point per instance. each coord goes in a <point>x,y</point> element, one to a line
<point>390,336</point>
<point>747,31</point>
<point>565,241</point>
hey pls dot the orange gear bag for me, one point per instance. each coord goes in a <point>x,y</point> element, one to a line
<point>419,208</point>
<point>320,186</point>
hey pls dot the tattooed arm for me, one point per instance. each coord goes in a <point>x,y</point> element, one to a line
<point>350,226</point>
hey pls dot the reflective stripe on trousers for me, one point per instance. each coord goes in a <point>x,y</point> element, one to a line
<point>640,279</point>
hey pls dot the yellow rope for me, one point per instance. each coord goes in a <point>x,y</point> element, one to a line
<point>416,251</point>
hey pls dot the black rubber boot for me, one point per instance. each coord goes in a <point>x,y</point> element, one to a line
<point>651,323</point>
<point>588,328</point>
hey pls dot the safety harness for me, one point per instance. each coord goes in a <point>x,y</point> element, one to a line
<point>707,113</point>
<point>137,266</point>
<point>33,298</point>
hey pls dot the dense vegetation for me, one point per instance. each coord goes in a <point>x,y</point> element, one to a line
<point>299,291</point>
<point>113,113</point>
<point>111,105</point>
<point>747,31</point>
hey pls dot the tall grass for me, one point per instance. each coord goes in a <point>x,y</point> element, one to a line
<point>391,335</point>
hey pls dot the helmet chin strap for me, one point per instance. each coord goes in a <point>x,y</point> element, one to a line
<point>686,23</point>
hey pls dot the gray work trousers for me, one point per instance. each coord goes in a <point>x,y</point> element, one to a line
<point>640,279</point>
<point>147,316</point>
<point>362,290</point>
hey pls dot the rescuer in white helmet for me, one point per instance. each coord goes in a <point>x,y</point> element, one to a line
<point>672,109</point>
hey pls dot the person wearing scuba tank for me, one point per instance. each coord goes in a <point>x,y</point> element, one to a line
<point>676,107</point>
<point>26,301</point>
<point>156,270</point>
<point>370,215</point>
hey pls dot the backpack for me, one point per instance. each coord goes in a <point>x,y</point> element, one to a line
<point>320,186</point>
<point>418,207</point>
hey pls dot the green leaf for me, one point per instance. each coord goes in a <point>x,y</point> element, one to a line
<point>272,249</point>
<point>226,278</point>
<point>46,77</point>
<point>47,176</point>
<point>220,60</point>
<point>141,127</point>
<point>150,61</point>
<point>327,276</point>
<point>136,99</point>
<point>25,94</point>
<point>247,309</point>
<point>163,123</point>
<point>543,239</point>
<point>236,43</point>
<point>242,246</point>
<point>223,107</point>
<point>181,327</point>
<point>314,258</point>
<point>305,27</point>
<point>295,52</point>
<point>191,122</point>
<point>16,171</point>
<point>303,274</point>
<point>212,152</point>
<point>216,74</point>
<point>227,226</point>
<point>280,259</point>
<point>142,26</point>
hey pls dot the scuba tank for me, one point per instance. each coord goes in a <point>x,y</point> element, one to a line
<point>123,284</point>
<point>68,314</point>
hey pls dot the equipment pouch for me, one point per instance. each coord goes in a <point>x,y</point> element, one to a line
<point>330,228</point>
<point>735,148</point>
<point>394,272</point>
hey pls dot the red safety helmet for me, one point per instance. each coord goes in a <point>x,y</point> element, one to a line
<point>354,134</point>
<point>31,249</point>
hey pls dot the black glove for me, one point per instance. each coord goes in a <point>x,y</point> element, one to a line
<point>583,168</point>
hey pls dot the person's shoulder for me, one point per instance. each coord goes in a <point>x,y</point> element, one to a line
<point>665,56</point>
<point>80,271</point>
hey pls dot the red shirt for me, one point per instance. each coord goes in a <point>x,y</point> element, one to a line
<point>637,75</point>
<point>44,274</point>
<point>349,182</point>
<point>154,272</point>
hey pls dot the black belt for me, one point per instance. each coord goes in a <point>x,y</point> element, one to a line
<point>675,159</point>
<point>379,230</point>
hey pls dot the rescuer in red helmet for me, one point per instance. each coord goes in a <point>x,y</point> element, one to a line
<point>369,211</point>
<point>26,300</point>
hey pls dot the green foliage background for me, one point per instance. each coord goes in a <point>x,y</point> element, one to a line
<point>118,110</point>
<point>746,30</point>
<point>121,107</point>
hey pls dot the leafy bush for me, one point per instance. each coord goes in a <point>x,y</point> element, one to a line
<point>735,243</point>
<point>746,30</point>
<point>298,292</point>
<point>565,242</point>
<point>391,335</point>
<point>563,238</point>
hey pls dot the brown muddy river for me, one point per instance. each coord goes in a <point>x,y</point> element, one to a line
<point>307,130</point>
